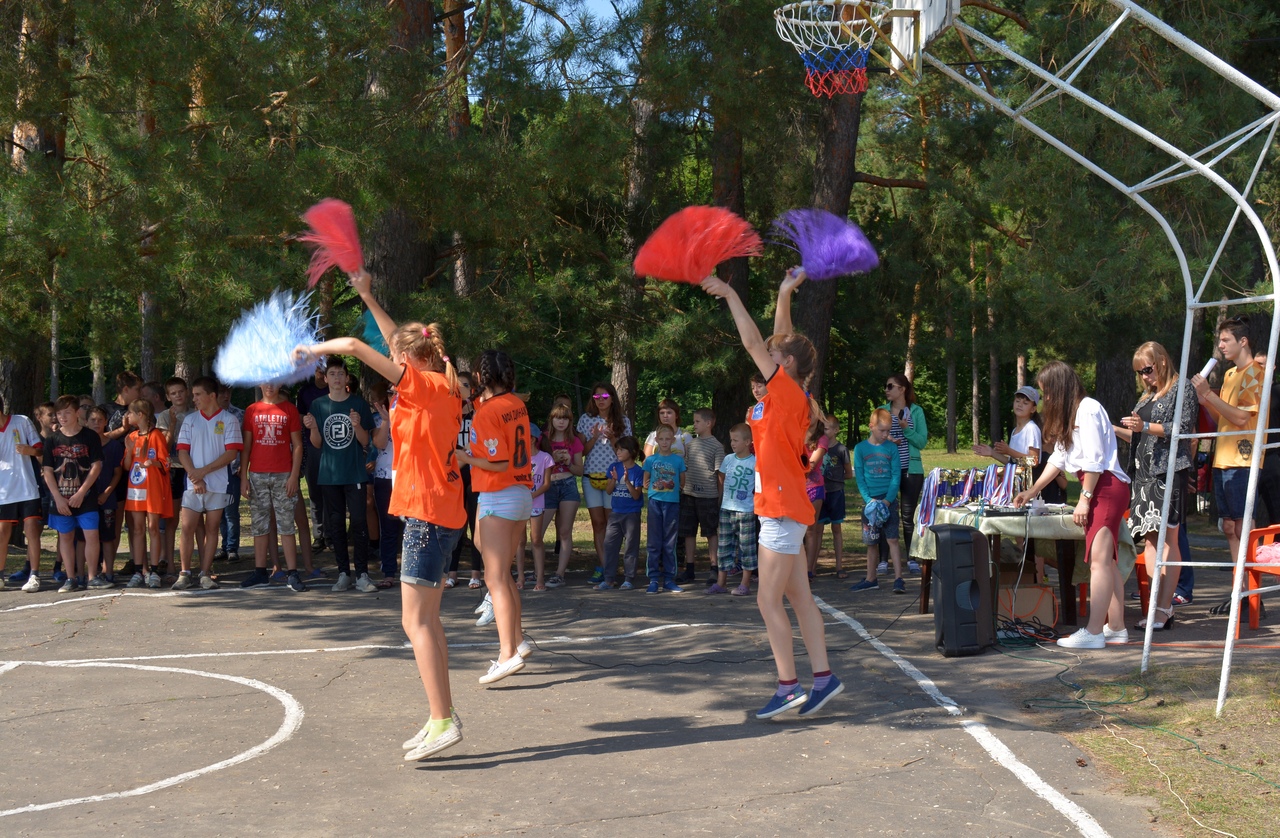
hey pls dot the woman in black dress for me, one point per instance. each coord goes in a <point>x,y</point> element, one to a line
<point>1147,430</point>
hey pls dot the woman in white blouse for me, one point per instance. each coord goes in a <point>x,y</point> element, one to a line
<point>1081,437</point>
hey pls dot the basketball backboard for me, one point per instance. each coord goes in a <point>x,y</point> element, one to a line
<point>912,34</point>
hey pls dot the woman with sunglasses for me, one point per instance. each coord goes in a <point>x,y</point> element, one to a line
<point>1080,435</point>
<point>1147,430</point>
<point>907,428</point>
<point>600,427</point>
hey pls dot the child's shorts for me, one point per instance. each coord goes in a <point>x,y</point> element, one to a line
<point>782,535</point>
<point>889,529</point>
<point>207,502</point>
<point>177,481</point>
<point>267,492</point>
<point>832,511</point>
<point>816,491</point>
<point>595,498</point>
<point>66,524</point>
<point>513,503</point>
<point>738,540</point>
<point>560,491</point>
<point>19,511</point>
<point>698,513</point>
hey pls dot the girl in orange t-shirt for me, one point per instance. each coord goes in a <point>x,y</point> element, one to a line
<point>149,498</point>
<point>501,474</point>
<point>426,413</point>
<point>779,424</point>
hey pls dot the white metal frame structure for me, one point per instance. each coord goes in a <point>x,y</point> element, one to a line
<point>1185,164</point>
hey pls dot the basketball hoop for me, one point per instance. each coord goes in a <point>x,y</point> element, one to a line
<point>834,39</point>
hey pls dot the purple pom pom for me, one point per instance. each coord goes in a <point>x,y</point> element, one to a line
<point>829,246</point>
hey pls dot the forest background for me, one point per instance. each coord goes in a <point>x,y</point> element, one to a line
<point>506,158</point>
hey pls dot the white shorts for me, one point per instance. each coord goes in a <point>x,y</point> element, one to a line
<point>782,535</point>
<point>207,502</point>
<point>593,497</point>
<point>514,503</point>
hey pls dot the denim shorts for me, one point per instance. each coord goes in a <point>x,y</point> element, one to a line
<point>67,523</point>
<point>782,535</point>
<point>560,491</point>
<point>1230,485</point>
<point>514,503</point>
<point>425,552</point>
<point>595,498</point>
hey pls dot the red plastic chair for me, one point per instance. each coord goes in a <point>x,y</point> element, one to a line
<point>1253,576</point>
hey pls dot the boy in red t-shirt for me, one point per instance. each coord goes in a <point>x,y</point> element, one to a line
<point>272,461</point>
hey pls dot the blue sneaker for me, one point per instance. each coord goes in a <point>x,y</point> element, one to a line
<point>818,698</point>
<point>316,573</point>
<point>626,585</point>
<point>59,576</point>
<point>653,588</point>
<point>279,576</point>
<point>597,577</point>
<point>899,586</point>
<point>782,703</point>
<point>22,575</point>
<point>865,585</point>
<point>671,587</point>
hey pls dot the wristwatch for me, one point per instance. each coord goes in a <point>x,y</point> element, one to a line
<point>1086,494</point>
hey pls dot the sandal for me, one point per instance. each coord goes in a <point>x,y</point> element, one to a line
<point>388,582</point>
<point>1158,625</point>
<point>842,575</point>
<point>473,584</point>
<point>520,584</point>
<point>449,583</point>
<point>539,588</point>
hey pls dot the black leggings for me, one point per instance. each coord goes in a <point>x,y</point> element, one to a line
<point>468,538</point>
<point>911,486</point>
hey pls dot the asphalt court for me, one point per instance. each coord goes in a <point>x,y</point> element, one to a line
<point>255,712</point>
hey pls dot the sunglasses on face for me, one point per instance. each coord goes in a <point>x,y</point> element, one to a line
<point>891,386</point>
<point>601,396</point>
<point>1147,370</point>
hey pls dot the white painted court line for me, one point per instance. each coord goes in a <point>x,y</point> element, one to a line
<point>996,749</point>
<point>293,714</point>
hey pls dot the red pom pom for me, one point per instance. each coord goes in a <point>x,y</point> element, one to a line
<point>688,245</point>
<point>333,231</point>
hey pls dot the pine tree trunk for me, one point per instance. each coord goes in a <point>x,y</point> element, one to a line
<point>55,351</point>
<point>146,352</point>
<point>951,383</point>
<point>455,45</point>
<point>635,208</point>
<point>181,364</point>
<point>832,186</point>
<point>99,389</point>
<point>732,395</point>
<point>1022,369</point>
<point>913,330</point>
<point>975,399</point>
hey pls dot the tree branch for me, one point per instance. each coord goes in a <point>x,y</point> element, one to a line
<point>992,7</point>
<point>1020,241</point>
<point>889,182</point>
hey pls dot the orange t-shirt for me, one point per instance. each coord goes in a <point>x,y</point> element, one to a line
<point>500,432</point>
<point>147,487</point>
<point>425,418</point>
<point>779,423</point>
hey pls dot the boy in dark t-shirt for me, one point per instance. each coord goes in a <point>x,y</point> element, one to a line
<point>72,462</point>
<point>339,425</point>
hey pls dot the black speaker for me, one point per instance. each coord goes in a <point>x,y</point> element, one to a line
<point>963,618</point>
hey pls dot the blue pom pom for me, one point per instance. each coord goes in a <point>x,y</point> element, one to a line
<point>259,347</point>
<point>829,246</point>
<point>372,334</point>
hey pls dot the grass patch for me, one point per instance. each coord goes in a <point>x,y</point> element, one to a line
<point>1159,735</point>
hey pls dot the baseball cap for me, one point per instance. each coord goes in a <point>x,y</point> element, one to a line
<point>1029,392</point>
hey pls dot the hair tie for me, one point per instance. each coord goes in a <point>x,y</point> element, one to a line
<point>446,358</point>
<point>426,333</point>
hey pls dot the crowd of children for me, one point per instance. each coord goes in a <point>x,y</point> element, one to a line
<point>177,455</point>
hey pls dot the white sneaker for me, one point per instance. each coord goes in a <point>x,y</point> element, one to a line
<point>446,738</point>
<point>135,581</point>
<point>207,583</point>
<point>524,650</point>
<point>883,567</point>
<point>1115,638</point>
<point>343,583</point>
<point>365,585</point>
<point>153,580</point>
<point>1083,639</point>
<point>68,586</point>
<point>416,740</point>
<point>183,581</point>
<point>486,614</point>
<point>498,671</point>
<point>487,602</point>
<point>33,584</point>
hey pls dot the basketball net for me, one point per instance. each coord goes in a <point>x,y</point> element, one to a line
<point>834,39</point>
